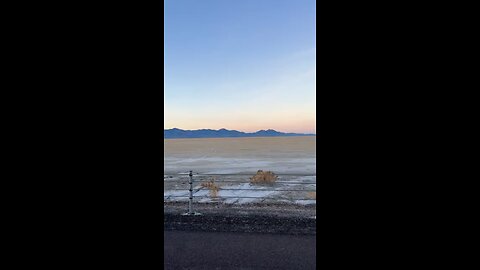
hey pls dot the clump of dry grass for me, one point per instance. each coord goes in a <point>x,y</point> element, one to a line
<point>212,187</point>
<point>262,177</point>
<point>312,195</point>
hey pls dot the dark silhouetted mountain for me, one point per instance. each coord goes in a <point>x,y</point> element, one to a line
<point>176,133</point>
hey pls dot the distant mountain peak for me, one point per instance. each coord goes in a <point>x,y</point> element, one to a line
<point>176,133</point>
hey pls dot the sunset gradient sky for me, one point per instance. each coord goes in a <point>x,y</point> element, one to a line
<point>240,64</point>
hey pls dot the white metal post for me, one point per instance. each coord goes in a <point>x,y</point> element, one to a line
<point>190,202</point>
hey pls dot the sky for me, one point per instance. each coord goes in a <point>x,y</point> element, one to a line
<point>246,65</point>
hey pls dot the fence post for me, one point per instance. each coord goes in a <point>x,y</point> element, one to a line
<point>190,199</point>
<point>190,202</point>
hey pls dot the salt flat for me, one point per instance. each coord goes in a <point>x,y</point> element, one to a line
<point>282,155</point>
<point>293,159</point>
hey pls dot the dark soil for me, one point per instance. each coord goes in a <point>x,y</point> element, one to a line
<point>258,218</point>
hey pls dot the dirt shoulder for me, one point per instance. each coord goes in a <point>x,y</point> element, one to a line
<point>259,218</point>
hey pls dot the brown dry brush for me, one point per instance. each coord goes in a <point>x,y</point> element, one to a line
<point>212,187</point>
<point>312,195</point>
<point>262,177</point>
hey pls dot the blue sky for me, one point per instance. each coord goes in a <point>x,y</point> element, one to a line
<point>240,64</point>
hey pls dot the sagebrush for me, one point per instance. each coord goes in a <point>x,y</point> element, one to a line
<point>262,177</point>
<point>212,187</point>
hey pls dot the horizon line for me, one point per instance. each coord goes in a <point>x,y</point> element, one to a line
<point>314,133</point>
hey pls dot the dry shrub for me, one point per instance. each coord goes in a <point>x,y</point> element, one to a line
<point>262,177</point>
<point>212,187</point>
<point>312,195</point>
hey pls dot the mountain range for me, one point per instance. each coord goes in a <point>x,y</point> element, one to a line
<point>176,133</point>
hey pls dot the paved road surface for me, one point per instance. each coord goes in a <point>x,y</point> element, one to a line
<point>223,250</point>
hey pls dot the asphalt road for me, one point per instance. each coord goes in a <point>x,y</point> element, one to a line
<point>226,250</point>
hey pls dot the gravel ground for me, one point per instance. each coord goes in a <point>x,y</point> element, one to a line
<point>258,218</point>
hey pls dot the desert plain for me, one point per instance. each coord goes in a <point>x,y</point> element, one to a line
<point>230,162</point>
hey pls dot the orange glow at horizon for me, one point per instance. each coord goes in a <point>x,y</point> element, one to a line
<point>295,120</point>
